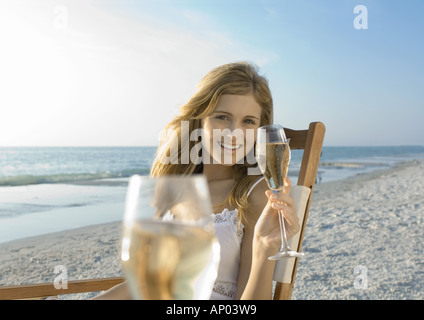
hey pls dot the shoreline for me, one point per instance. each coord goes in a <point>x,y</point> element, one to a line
<point>33,210</point>
<point>370,224</point>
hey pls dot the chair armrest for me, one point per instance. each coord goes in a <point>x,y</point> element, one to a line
<point>284,268</point>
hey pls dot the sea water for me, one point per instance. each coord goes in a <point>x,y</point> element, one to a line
<point>49,189</point>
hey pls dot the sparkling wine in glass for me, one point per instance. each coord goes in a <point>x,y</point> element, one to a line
<point>273,156</point>
<point>169,249</point>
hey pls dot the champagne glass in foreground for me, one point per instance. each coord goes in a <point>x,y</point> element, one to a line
<point>273,155</point>
<point>169,249</point>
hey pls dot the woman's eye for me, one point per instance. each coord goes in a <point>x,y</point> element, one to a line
<point>221,117</point>
<point>249,121</point>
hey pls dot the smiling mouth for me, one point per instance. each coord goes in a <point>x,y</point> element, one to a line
<point>230,147</point>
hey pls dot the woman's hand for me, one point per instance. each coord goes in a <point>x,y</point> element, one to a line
<point>267,236</point>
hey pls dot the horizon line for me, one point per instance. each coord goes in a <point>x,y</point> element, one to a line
<point>156,146</point>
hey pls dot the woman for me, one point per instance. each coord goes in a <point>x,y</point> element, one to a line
<point>231,103</point>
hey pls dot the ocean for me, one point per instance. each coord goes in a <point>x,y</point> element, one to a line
<point>50,189</point>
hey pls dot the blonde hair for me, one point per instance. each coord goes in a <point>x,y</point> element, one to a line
<point>239,78</point>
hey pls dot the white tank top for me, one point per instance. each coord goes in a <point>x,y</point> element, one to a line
<point>229,232</point>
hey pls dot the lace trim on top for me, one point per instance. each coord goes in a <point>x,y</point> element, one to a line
<point>228,289</point>
<point>230,215</point>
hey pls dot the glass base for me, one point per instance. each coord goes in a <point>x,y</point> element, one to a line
<point>286,254</point>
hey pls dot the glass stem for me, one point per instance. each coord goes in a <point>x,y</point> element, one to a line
<point>284,244</point>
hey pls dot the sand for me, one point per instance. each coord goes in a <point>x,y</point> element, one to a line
<point>88,252</point>
<point>364,240</point>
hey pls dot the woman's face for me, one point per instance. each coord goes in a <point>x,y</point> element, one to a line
<point>229,132</point>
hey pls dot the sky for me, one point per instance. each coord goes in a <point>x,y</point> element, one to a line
<point>114,73</point>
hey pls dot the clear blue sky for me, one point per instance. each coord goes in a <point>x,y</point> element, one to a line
<point>115,72</point>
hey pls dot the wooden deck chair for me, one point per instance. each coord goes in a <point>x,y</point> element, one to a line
<point>309,140</point>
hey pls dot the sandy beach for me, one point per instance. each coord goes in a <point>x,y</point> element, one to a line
<point>364,240</point>
<point>372,226</point>
<point>88,252</point>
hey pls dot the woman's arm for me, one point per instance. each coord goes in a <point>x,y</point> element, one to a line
<point>262,239</point>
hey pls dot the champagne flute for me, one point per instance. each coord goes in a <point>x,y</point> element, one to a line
<point>273,156</point>
<point>169,249</point>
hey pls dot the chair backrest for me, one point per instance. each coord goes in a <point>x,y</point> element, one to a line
<point>309,140</point>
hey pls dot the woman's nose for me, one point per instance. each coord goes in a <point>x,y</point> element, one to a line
<point>234,134</point>
<point>234,126</point>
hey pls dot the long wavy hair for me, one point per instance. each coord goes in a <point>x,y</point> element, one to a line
<point>239,78</point>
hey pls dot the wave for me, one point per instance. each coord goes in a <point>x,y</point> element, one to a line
<point>341,165</point>
<point>99,178</point>
<point>351,164</point>
<point>23,180</point>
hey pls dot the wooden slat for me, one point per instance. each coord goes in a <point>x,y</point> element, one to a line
<point>47,289</point>
<point>283,291</point>
<point>297,138</point>
<point>312,155</point>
